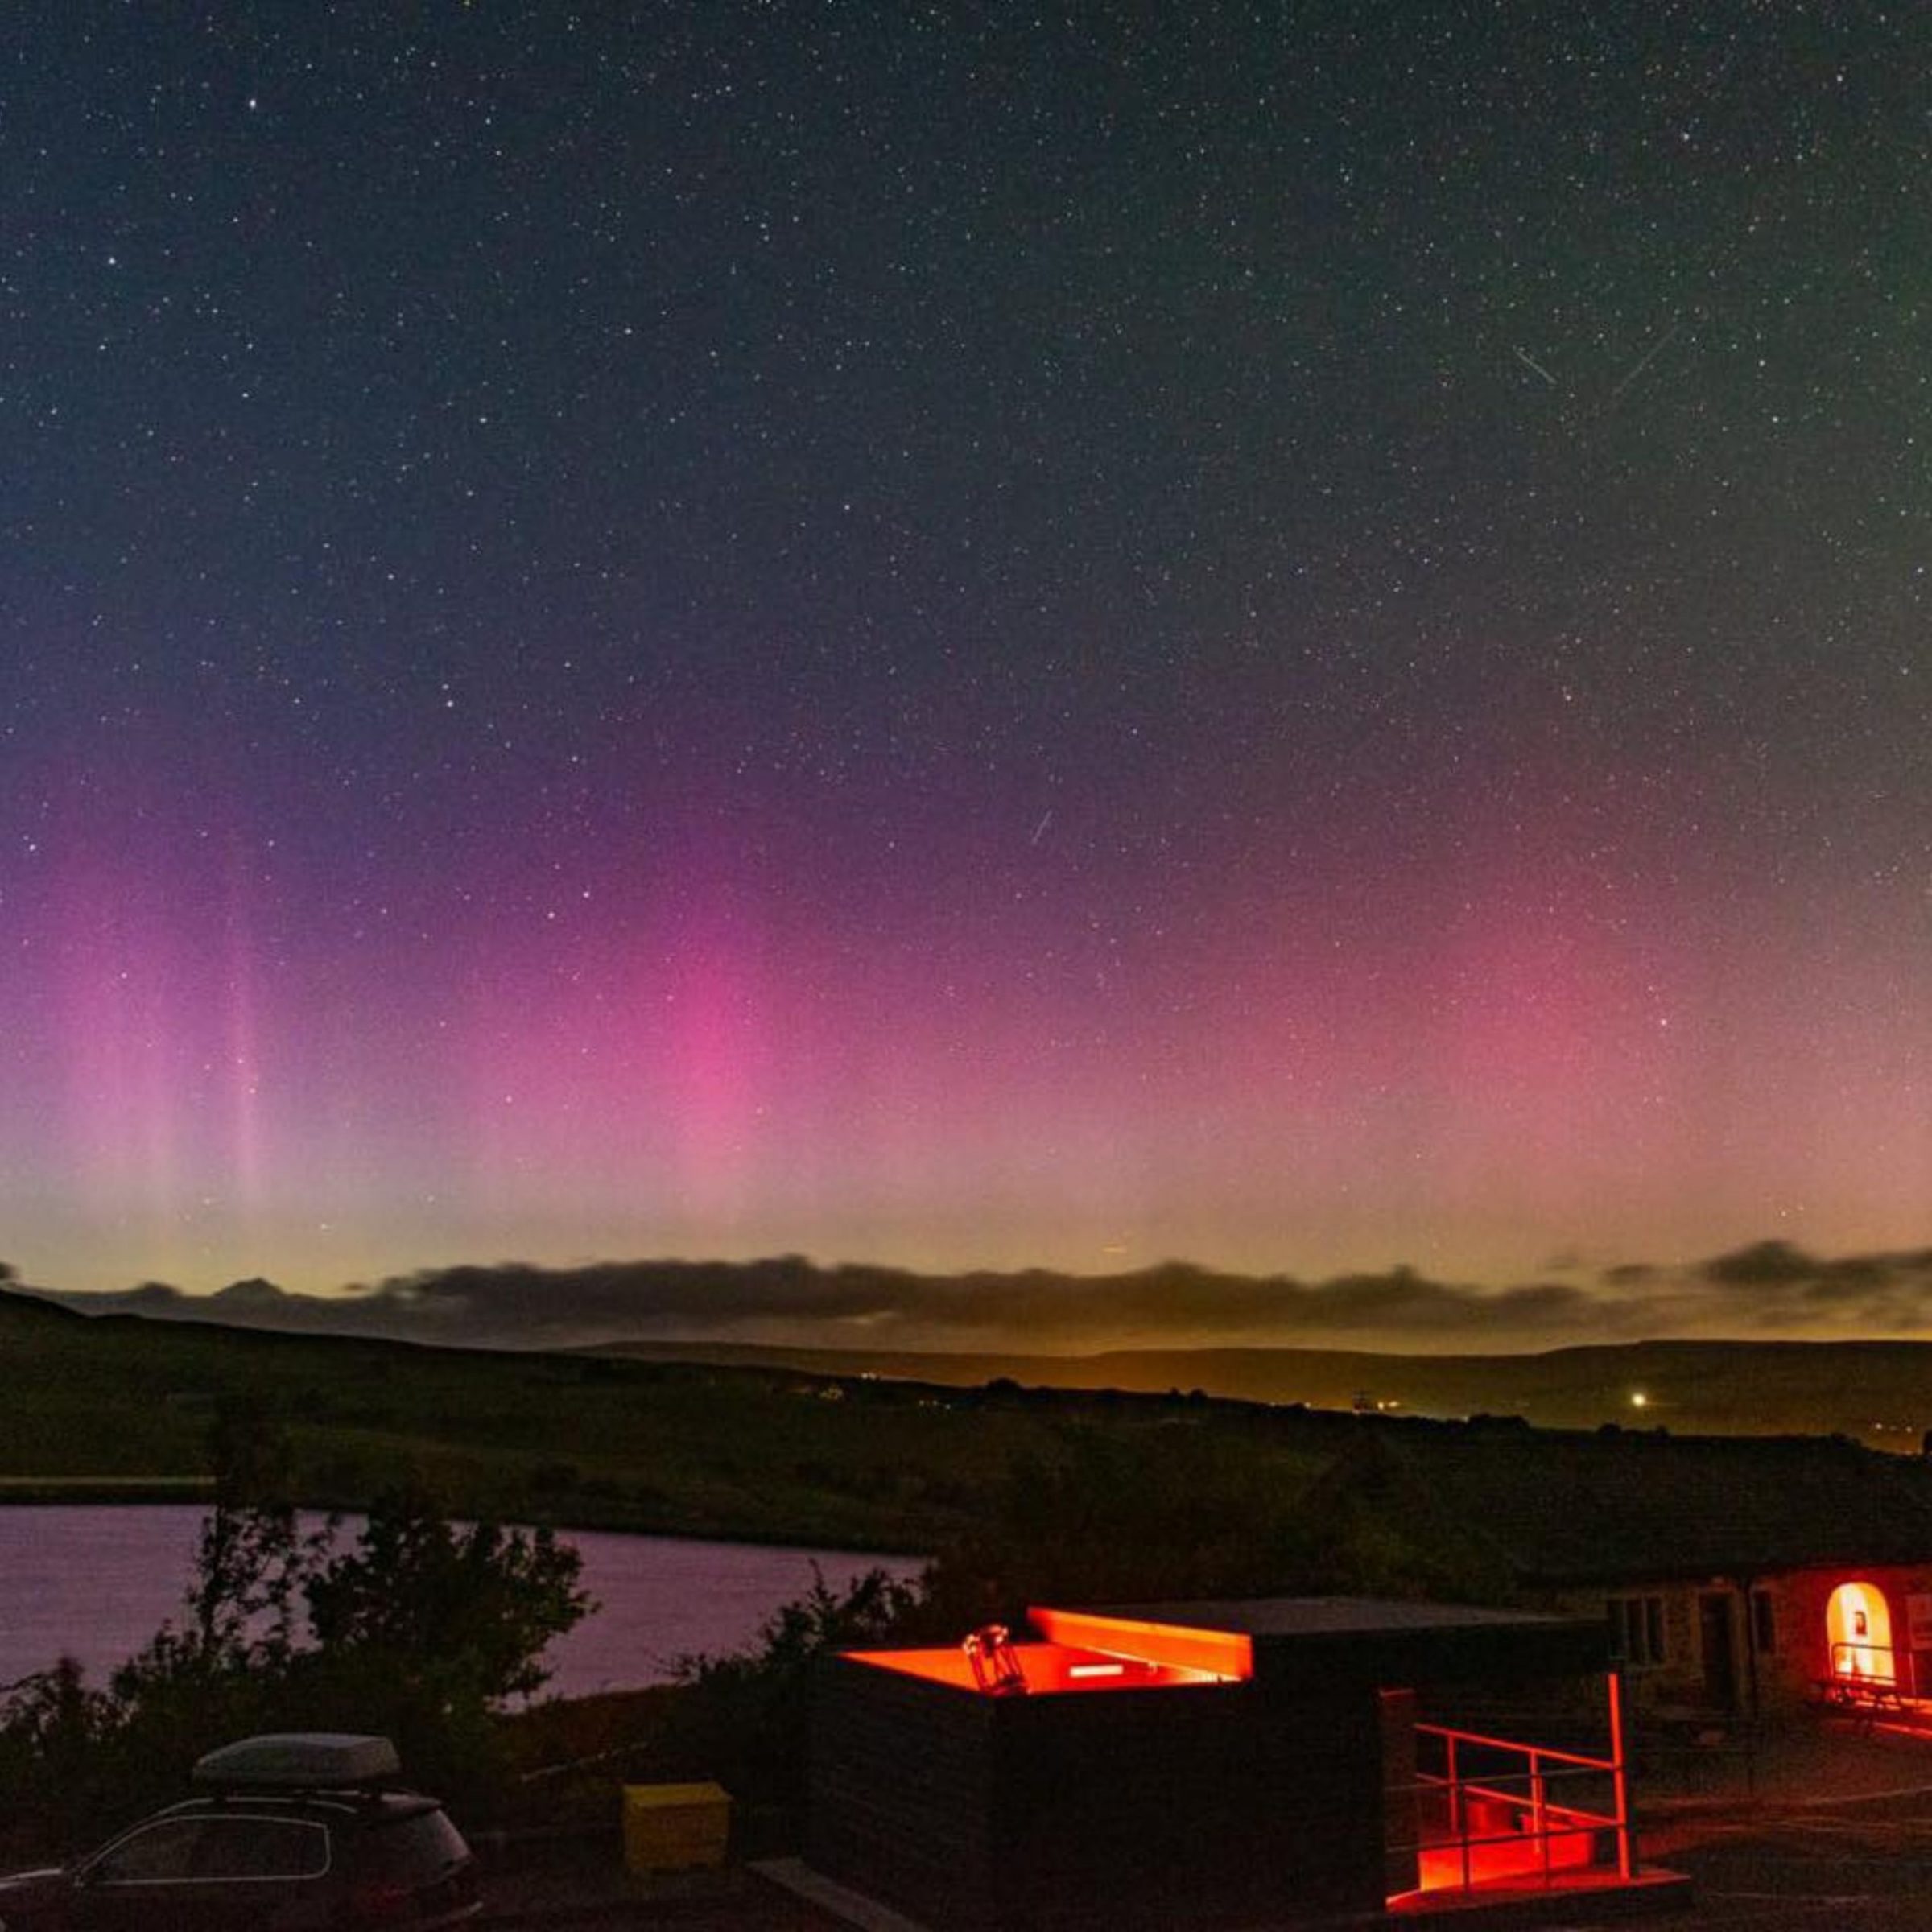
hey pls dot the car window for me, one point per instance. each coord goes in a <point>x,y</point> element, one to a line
<point>190,1850</point>
<point>420,1846</point>
<point>261,1847</point>
<point>165,1849</point>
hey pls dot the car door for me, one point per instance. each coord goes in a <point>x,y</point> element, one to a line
<point>207,1872</point>
<point>131,1883</point>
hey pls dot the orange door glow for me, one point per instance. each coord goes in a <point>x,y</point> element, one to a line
<point>1858,1626</point>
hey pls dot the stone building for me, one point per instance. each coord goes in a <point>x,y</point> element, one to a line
<point>1736,1575</point>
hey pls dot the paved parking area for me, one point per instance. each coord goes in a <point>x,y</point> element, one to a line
<point>1797,1871</point>
<point>1829,1825</point>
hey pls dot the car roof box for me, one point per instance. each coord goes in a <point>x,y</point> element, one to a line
<point>299,1760</point>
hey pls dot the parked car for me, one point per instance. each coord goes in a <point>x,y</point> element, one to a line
<point>295,1832</point>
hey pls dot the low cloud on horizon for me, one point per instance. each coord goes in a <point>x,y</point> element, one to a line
<point>1769,1289</point>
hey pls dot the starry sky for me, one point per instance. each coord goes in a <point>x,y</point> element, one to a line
<point>1289,635</point>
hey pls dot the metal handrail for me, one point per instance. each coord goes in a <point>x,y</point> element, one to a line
<point>1842,1652</point>
<point>1549,1752</point>
<point>1544,1766</point>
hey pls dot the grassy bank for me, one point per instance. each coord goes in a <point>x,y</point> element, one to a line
<point>105,1489</point>
<point>115,1407</point>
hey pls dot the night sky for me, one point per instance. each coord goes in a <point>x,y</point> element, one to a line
<point>1294,636</point>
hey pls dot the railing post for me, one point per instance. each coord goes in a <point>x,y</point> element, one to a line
<point>1620,1778</point>
<point>1459,1816</point>
<point>1539,1811</point>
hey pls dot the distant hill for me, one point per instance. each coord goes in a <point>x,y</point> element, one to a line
<point>1879,1392</point>
<point>872,1449</point>
<point>119,1407</point>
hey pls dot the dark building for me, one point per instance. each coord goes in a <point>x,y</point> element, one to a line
<point>1291,1760</point>
<point>1743,1575</point>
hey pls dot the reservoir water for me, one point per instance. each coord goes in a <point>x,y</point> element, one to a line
<point>95,1582</point>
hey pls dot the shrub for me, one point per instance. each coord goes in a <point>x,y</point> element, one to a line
<point>417,1630</point>
<point>743,1717</point>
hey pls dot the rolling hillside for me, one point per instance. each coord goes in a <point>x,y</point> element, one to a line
<point>758,1452</point>
<point>1878,1392</point>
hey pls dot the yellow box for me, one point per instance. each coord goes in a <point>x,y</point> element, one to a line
<point>675,1827</point>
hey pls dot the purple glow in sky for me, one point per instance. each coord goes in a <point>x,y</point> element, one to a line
<point>1250,637</point>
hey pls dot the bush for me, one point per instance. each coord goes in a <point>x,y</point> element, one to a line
<point>743,1717</point>
<point>418,1630</point>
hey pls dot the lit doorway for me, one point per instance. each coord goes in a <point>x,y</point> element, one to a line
<point>1858,1626</point>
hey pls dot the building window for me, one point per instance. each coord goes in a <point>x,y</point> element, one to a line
<point>1764,1624</point>
<point>1637,1629</point>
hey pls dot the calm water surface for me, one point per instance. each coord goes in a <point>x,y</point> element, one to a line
<point>95,1582</point>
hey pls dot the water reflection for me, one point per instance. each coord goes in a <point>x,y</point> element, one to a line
<point>94,1581</point>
